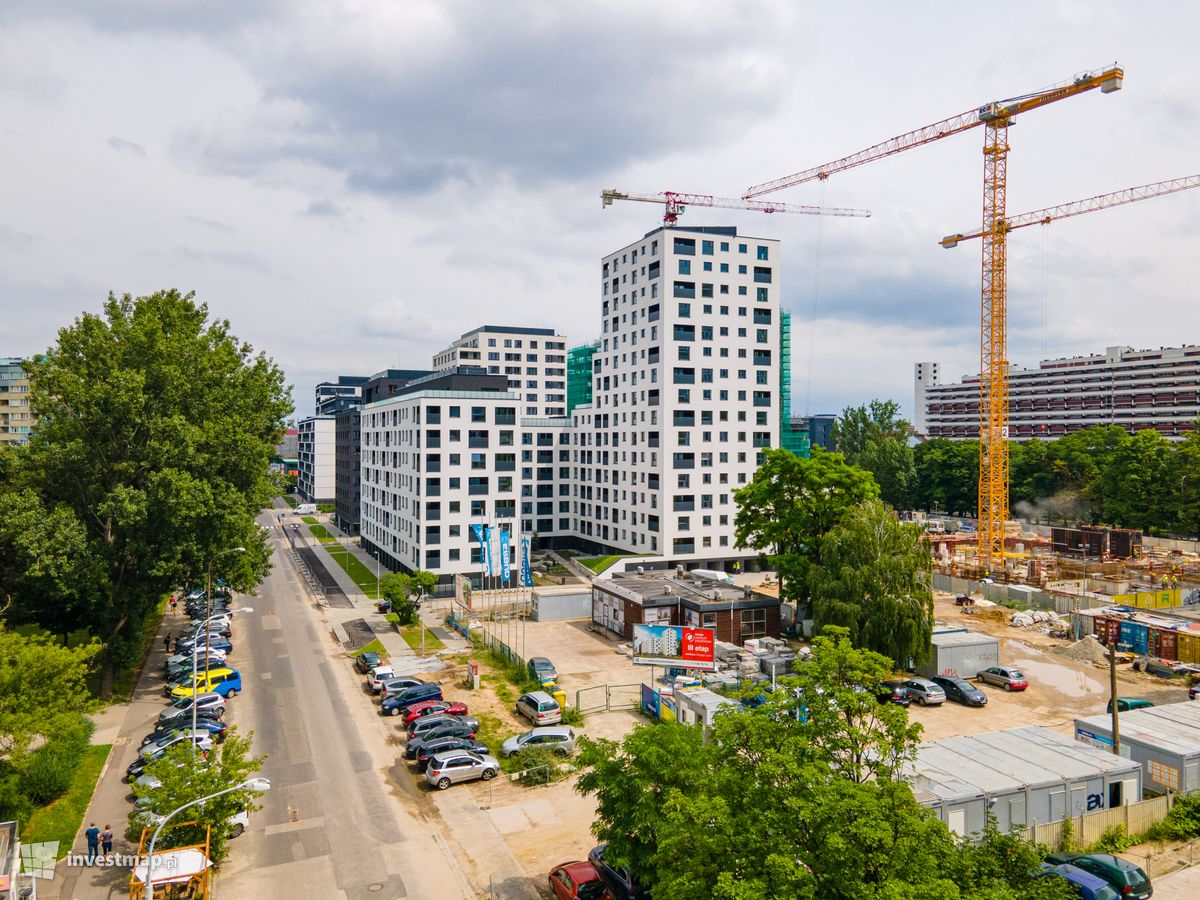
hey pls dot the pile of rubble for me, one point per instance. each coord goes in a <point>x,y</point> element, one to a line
<point>1087,649</point>
<point>1042,621</point>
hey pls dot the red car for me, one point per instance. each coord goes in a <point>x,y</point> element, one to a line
<point>576,881</point>
<point>434,707</point>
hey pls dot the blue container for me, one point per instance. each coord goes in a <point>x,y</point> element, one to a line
<point>1134,638</point>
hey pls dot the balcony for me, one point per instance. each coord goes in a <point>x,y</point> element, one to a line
<point>683,545</point>
<point>762,274</point>
<point>685,290</point>
<point>683,460</point>
<point>683,504</point>
<point>506,419</point>
<point>479,442</point>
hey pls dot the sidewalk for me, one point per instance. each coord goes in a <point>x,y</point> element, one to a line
<point>122,725</point>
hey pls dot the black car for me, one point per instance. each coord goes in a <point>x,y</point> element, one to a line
<point>893,692</point>
<point>443,745</point>
<point>415,745</point>
<point>365,662</point>
<point>960,690</point>
<point>617,879</point>
<point>215,727</point>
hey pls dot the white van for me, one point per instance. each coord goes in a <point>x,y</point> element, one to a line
<point>306,509</point>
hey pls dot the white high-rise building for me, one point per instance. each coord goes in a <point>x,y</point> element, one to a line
<point>685,395</point>
<point>315,449</point>
<point>534,360</point>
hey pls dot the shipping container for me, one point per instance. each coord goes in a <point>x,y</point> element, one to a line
<point>962,653</point>
<point>1165,740</point>
<point>1167,644</point>
<point>1133,638</point>
<point>1023,776</point>
<point>1187,647</point>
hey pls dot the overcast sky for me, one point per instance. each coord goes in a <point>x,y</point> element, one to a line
<point>353,184</point>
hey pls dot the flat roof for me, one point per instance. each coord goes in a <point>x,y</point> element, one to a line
<point>666,586</point>
<point>1174,726</point>
<point>998,762</point>
<point>962,639</point>
<point>509,329</point>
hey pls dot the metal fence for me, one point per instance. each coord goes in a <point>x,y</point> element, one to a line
<point>606,697</point>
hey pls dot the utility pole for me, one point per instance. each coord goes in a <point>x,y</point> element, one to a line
<point>1112,694</point>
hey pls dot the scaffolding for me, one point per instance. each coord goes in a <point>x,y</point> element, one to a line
<point>791,436</point>
<point>579,375</point>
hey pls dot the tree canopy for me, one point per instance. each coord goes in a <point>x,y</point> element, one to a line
<point>155,428</point>
<point>796,796</point>
<point>43,690</point>
<point>874,579</point>
<point>790,503</point>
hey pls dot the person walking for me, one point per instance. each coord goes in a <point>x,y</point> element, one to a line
<point>93,839</point>
<point>172,603</point>
<point>106,840</point>
<point>167,642</point>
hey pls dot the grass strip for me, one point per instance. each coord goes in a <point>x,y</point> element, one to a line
<point>60,820</point>
<point>412,637</point>
<point>599,563</point>
<point>358,572</point>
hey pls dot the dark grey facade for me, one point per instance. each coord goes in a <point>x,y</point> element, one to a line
<point>348,437</point>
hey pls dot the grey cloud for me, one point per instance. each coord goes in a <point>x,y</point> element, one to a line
<point>324,209</point>
<point>238,259</point>
<point>210,223</point>
<point>476,92</point>
<point>14,239</point>
<point>123,146</point>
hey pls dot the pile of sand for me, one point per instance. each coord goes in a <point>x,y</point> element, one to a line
<point>1087,650</point>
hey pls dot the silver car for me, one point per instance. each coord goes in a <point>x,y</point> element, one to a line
<point>181,709</point>
<point>454,766</point>
<point>1007,677</point>
<point>559,738</point>
<point>925,691</point>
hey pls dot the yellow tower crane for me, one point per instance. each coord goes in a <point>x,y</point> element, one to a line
<point>676,204</point>
<point>995,117</point>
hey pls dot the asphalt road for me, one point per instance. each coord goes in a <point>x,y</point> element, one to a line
<point>334,824</point>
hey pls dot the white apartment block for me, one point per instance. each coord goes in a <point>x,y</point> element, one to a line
<point>437,457</point>
<point>534,360</point>
<point>315,480</point>
<point>685,395</point>
<point>1136,389</point>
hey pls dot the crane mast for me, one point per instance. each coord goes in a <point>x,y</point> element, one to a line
<point>995,118</point>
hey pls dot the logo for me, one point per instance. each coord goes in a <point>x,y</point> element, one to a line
<point>38,859</point>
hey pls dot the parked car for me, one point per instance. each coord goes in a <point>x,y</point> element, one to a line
<point>218,643</point>
<point>1004,676</point>
<point>1194,692</point>
<point>925,692</point>
<point>377,676</point>
<point>617,880</point>
<point>559,738</point>
<point>156,751</point>
<point>1125,704</point>
<point>893,692</point>
<point>539,708</point>
<point>542,670</point>
<point>365,662</point>
<point>211,704</point>
<point>1124,877</point>
<point>176,671</point>
<point>1087,885</point>
<point>397,704</point>
<point>960,690</point>
<point>215,727</point>
<point>446,769</point>
<point>430,749</point>
<point>396,685</point>
<point>576,881</point>
<point>424,726</point>
<point>434,708</point>
<point>226,682</point>
<point>416,744</point>
<point>185,659</point>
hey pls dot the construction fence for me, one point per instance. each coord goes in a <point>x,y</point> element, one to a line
<point>604,697</point>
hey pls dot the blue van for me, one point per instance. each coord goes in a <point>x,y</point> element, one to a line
<point>395,704</point>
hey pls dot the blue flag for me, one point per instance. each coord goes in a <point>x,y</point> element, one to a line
<point>526,572</point>
<point>487,550</point>
<point>485,558</point>
<point>504,560</point>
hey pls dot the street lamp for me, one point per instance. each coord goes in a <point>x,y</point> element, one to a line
<point>195,648</point>
<point>255,784</point>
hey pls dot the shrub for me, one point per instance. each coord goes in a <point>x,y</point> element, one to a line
<point>537,766</point>
<point>325,507</point>
<point>1114,839</point>
<point>51,768</point>
<point>1182,822</point>
<point>571,716</point>
<point>1066,837</point>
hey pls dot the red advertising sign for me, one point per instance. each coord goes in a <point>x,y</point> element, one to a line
<point>698,646</point>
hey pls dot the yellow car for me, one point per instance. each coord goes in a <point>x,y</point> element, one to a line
<point>226,682</point>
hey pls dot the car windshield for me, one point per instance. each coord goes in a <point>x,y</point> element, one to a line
<point>1014,673</point>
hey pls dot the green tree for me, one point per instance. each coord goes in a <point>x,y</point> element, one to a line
<point>1184,479</point>
<point>790,503</point>
<point>860,426</point>
<point>43,691</point>
<point>947,475</point>
<point>892,464</point>
<point>184,778</point>
<point>155,429</point>
<point>1134,484</point>
<point>875,579</point>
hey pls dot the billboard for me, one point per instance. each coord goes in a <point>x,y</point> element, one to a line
<point>675,646</point>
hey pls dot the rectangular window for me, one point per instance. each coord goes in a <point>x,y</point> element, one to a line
<point>762,252</point>
<point>685,290</point>
<point>685,310</point>
<point>685,267</point>
<point>685,247</point>
<point>706,247</point>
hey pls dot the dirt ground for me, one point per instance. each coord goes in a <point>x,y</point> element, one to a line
<point>1060,689</point>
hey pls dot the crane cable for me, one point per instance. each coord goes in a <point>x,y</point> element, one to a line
<point>812,314</point>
